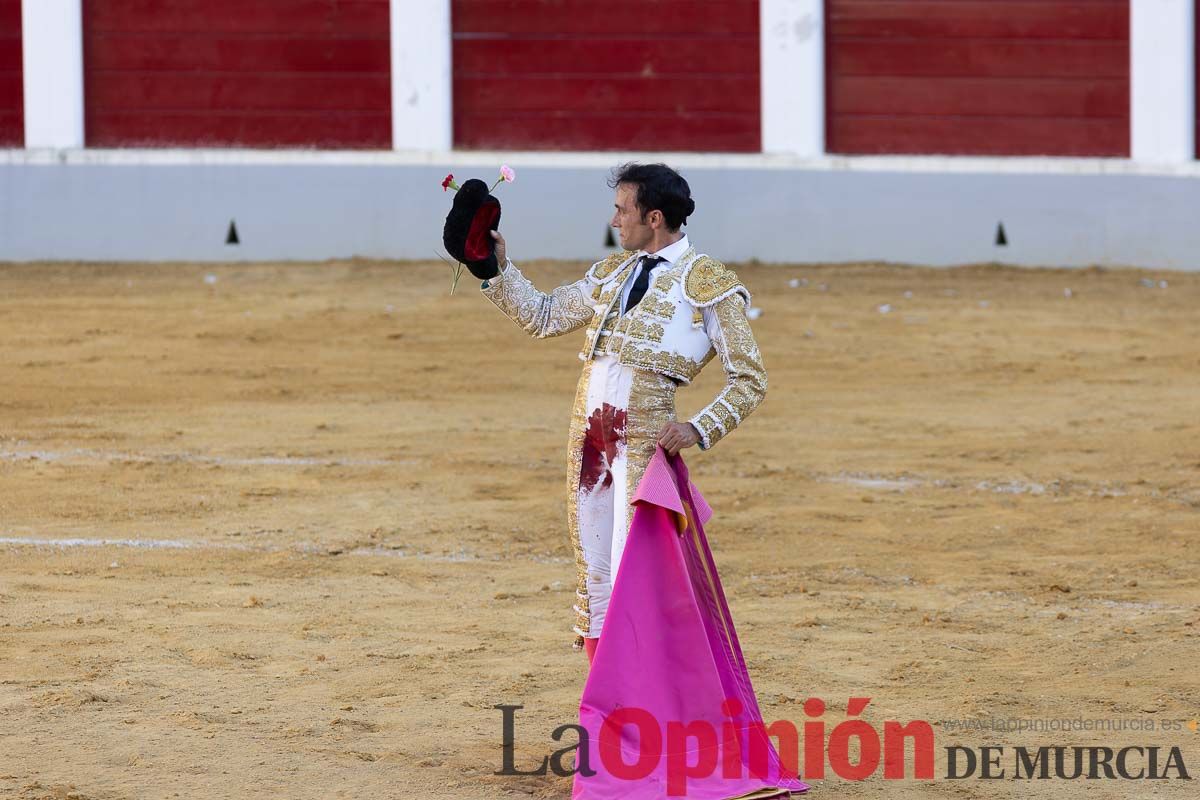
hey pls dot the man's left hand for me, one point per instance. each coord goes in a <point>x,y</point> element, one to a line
<point>675,436</point>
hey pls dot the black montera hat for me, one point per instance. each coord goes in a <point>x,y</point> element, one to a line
<point>467,235</point>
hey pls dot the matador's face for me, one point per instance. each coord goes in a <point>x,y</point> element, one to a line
<point>635,230</point>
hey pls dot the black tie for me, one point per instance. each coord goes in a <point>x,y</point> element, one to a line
<point>642,282</point>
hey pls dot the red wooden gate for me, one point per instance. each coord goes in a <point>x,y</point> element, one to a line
<point>611,75</point>
<point>12,103</point>
<point>260,73</point>
<point>994,77</point>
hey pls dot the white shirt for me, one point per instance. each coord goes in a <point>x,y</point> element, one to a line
<point>671,253</point>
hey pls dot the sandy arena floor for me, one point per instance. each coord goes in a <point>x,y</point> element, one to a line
<point>293,531</point>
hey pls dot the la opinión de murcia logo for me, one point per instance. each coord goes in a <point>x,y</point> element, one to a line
<point>699,749</point>
<point>1129,763</point>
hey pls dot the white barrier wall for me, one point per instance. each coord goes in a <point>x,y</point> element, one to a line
<point>177,206</point>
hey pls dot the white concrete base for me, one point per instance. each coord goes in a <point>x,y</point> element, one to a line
<point>177,206</point>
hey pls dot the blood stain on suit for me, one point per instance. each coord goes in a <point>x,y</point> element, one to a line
<point>605,431</point>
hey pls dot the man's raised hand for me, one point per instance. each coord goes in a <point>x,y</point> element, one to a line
<point>501,250</point>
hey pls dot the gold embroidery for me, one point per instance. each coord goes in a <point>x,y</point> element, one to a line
<point>599,328</point>
<point>665,280</point>
<point>606,296</point>
<point>638,329</point>
<point>704,423</point>
<point>610,345</point>
<point>651,405</point>
<point>539,314</point>
<point>673,365</point>
<point>604,318</point>
<point>746,382</point>
<point>611,334</point>
<point>651,305</point>
<point>708,280</point>
<point>723,416</point>
<point>604,269</point>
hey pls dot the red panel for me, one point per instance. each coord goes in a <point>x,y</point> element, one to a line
<point>162,91</point>
<point>1019,97</point>
<point>684,93</point>
<point>645,57</point>
<point>12,95</point>
<point>615,18</point>
<point>190,52</point>
<point>1003,77</point>
<point>258,129</point>
<point>303,17</point>
<point>986,59</point>
<point>999,136</point>
<point>1008,19</point>
<point>679,132</point>
<point>258,73</point>
<point>616,75</point>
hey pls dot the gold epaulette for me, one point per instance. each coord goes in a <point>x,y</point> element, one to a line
<point>708,281</point>
<point>605,269</point>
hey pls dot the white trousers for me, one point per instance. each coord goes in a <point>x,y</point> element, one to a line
<point>604,492</point>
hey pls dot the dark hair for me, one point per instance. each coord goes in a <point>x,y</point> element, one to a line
<point>658,188</point>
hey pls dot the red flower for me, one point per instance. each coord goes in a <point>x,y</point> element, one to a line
<point>449,183</point>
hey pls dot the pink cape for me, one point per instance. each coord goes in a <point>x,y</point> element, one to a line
<point>669,649</point>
